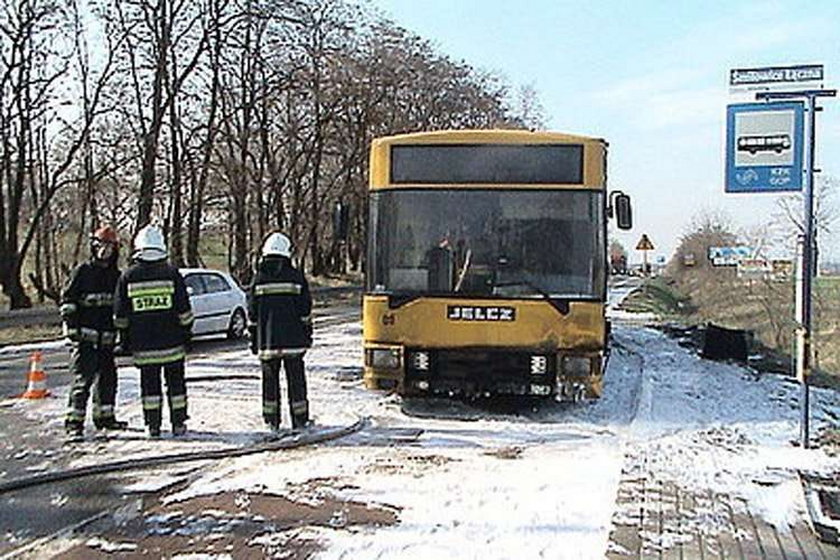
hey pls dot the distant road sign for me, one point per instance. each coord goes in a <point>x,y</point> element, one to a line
<point>754,268</point>
<point>775,76</point>
<point>782,268</point>
<point>644,244</point>
<point>764,147</point>
<point>729,256</point>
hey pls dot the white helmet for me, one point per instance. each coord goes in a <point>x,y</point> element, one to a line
<point>277,245</point>
<point>149,244</point>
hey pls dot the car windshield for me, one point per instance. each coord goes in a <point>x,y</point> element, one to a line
<point>506,243</point>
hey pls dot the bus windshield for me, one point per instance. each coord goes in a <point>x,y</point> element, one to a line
<point>487,242</point>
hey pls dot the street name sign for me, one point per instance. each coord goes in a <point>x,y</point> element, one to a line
<point>764,145</point>
<point>776,76</point>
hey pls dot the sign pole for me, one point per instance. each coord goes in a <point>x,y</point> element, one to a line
<point>807,265</point>
<point>807,276</point>
<point>644,245</point>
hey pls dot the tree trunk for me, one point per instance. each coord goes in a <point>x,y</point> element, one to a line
<point>12,286</point>
<point>145,199</point>
<point>197,194</point>
<point>176,247</point>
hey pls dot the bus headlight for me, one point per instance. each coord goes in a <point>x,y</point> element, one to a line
<point>418,361</point>
<point>539,365</point>
<point>576,366</point>
<point>384,358</point>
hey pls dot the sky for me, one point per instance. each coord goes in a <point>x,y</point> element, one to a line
<point>652,79</point>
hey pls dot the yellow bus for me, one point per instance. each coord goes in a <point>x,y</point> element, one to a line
<point>486,264</point>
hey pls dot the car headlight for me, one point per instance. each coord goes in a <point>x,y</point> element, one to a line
<point>384,358</point>
<point>576,366</point>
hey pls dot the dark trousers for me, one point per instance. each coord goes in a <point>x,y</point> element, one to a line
<point>90,365</point>
<point>296,386</point>
<point>152,394</point>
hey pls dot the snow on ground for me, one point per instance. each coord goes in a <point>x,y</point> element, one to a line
<point>719,427</point>
<point>480,483</point>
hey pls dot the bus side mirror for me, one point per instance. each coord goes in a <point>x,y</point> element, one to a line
<point>621,209</point>
<point>341,221</point>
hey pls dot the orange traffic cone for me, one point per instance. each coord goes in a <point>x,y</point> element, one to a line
<point>37,387</point>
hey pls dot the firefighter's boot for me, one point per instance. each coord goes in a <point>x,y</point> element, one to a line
<point>75,431</point>
<point>110,423</point>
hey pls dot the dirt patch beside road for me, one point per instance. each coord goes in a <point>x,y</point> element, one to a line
<point>238,524</point>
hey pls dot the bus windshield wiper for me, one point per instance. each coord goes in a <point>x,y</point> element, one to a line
<point>527,284</point>
<point>559,303</point>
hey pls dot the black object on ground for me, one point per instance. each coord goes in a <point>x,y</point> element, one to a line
<point>725,344</point>
<point>294,440</point>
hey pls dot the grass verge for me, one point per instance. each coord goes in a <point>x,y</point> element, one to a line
<point>659,296</point>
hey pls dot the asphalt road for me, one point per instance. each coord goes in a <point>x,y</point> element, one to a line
<point>33,514</point>
<point>14,366</point>
<point>15,360</point>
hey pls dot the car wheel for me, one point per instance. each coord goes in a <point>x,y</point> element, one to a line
<point>236,328</point>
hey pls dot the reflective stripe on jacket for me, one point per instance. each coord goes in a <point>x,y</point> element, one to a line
<point>153,306</point>
<point>88,299</point>
<point>280,309</point>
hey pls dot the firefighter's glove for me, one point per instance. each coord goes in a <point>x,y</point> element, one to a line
<point>307,331</point>
<point>252,338</point>
<point>71,333</point>
<point>187,331</point>
<point>123,344</point>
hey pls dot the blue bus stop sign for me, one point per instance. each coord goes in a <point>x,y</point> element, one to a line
<point>764,144</point>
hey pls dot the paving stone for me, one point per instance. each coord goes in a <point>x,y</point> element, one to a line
<point>659,520</point>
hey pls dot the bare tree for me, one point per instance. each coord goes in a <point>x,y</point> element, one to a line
<point>198,162</point>
<point>165,41</point>
<point>530,108</point>
<point>826,211</point>
<point>37,51</point>
<point>249,115</point>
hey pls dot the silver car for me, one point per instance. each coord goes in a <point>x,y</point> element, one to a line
<point>218,302</point>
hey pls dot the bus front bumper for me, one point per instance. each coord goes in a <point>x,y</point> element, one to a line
<point>476,372</point>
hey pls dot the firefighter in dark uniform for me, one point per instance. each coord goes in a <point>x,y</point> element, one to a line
<point>280,324</point>
<point>152,311</point>
<point>86,309</point>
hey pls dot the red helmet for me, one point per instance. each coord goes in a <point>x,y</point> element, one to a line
<point>106,234</point>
